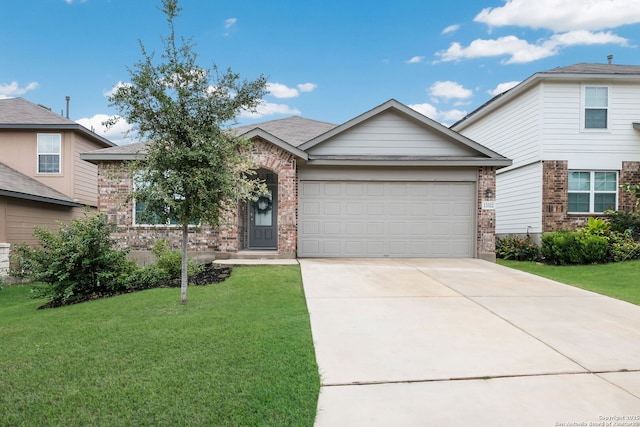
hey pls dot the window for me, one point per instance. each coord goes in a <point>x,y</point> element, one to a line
<point>596,103</point>
<point>140,215</point>
<point>592,192</point>
<point>49,152</point>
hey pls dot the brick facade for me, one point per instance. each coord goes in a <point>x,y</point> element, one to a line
<point>486,239</point>
<point>555,203</point>
<point>630,173</point>
<point>115,185</point>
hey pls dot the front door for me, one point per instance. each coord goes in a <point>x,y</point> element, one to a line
<point>263,215</point>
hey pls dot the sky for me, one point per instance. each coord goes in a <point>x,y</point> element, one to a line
<point>328,60</point>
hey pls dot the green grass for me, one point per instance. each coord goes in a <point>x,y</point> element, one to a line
<point>619,280</point>
<point>239,353</point>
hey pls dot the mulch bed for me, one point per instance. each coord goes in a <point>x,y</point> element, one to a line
<point>209,275</point>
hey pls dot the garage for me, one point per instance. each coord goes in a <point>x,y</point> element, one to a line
<point>386,219</point>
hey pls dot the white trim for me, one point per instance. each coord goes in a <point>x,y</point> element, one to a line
<point>38,154</point>
<point>583,107</point>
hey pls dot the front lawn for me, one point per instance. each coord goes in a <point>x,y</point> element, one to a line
<point>239,353</point>
<point>619,280</point>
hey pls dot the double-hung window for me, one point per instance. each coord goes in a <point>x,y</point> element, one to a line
<point>596,107</point>
<point>592,191</point>
<point>49,152</point>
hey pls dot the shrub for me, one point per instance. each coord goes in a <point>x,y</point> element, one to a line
<point>166,269</point>
<point>622,247</point>
<point>75,263</point>
<point>622,221</point>
<point>573,247</point>
<point>517,248</point>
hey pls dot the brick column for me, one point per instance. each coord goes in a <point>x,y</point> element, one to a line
<point>486,238</point>
<point>555,182</point>
<point>630,173</point>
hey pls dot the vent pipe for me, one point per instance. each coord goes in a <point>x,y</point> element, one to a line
<point>609,59</point>
<point>68,98</point>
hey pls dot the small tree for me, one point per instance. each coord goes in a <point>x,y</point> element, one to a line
<point>193,168</point>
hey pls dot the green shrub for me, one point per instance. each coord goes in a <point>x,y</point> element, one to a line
<point>516,248</point>
<point>574,247</point>
<point>167,268</point>
<point>75,263</point>
<point>623,221</point>
<point>622,247</point>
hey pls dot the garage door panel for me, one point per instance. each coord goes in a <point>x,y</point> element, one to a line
<point>376,219</point>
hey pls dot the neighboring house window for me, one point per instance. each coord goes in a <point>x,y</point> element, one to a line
<point>592,191</point>
<point>49,152</point>
<point>596,106</point>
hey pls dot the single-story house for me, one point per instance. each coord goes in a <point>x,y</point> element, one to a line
<point>387,183</point>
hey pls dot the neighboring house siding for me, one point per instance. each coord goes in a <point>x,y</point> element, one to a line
<point>565,139</point>
<point>85,188</point>
<point>513,132</point>
<point>519,200</point>
<point>389,134</point>
<point>22,216</point>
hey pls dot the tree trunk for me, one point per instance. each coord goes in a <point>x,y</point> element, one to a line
<point>185,274</point>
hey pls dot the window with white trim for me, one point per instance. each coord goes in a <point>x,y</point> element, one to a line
<point>49,152</point>
<point>592,191</point>
<point>596,107</point>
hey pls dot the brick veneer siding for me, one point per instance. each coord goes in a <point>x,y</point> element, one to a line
<point>115,184</point>
<point>486,237</point>
<point>630,173</point>
<point>555,203</point>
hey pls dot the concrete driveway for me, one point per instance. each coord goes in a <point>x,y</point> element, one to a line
<point>465,342</point>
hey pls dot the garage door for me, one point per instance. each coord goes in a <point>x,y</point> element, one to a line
<point>379,219</point>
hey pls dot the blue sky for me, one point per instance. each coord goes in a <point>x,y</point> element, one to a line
<point>328,60</point>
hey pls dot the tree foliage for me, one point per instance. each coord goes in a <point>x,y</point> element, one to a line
<point>76,262</point>
<point>193,166</point>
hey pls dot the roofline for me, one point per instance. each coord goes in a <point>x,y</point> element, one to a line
<point>35,198</point>
<point>258,132</point>
<point>407,161</point>
<point>398,106</point>
<point>524,85</point>
<point>92,157</point>
<point>71,126</point>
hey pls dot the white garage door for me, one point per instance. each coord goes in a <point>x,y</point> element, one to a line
<point>379,219</point>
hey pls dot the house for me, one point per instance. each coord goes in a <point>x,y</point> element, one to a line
<point>573,134</point>
<point>42,178</point>
<point>388,183</point>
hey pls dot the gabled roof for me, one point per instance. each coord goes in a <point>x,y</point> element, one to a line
<point>298,135</point>
<point>17,185</point>
<point>18,113</point>
<point>293,130</point>
<point>483,155</point>
<point>582,71</point>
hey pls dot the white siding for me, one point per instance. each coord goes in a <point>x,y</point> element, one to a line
<point>519,200</point>
<point>391,134</point>
<point>565,139</point>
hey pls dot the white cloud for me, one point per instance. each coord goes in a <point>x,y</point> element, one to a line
<point>447,117</point>
<point>502,87</point>
<point>281,91</point>
<point>13,89</point>
<point>521,51</point>
<point>228,23</point>
<point>115,134</point>
<point>115,87</point>
<point>450,29</point>
<point>415,60</point>
<point>449,90</point>
<point>562,15</point>
<point>307,87</point>
<point>268,109</point>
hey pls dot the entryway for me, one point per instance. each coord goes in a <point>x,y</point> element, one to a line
<point>263,215</point>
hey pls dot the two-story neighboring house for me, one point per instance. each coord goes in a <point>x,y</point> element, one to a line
<point>42,178</point>
<point>573,134</point>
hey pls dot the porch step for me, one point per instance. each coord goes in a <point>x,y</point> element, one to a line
<point>257,255</point>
